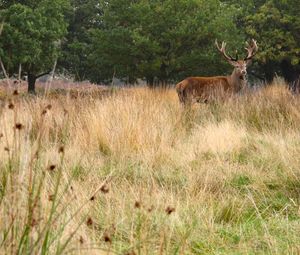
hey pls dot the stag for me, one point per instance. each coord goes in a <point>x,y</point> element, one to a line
<point>202,89</point>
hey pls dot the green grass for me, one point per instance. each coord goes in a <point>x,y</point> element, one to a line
<point>135,173</point>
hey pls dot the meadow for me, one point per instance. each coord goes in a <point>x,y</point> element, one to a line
<point>131,171</point>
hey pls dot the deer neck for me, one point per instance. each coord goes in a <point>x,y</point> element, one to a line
<point>236,81</point>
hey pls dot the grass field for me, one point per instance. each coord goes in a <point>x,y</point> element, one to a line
<point>134,173</point>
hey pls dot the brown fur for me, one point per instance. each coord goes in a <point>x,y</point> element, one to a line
<point>202,89</point>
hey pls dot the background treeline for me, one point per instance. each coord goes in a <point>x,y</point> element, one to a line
<point>160,41</point>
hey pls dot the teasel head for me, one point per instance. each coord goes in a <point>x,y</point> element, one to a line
<point>49,107</point>
<point>61,149</point>
<point>104,189</point>
<point>137,204</point>
<point>19,126</point>
<point>51,198</point>
<point>81,240</point>
<point>52,167</point>
<point>169,210</point>
<point>11,105</point>
<point>107,238</point>
<point>89,222</point>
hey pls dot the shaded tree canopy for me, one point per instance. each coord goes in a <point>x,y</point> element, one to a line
<point>32,36</point>
<point>166,40</point>
<point>85,15</point>
<point>276,26</point>
<point>158,41</point>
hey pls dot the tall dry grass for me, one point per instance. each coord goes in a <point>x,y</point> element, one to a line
<point>135,173</point>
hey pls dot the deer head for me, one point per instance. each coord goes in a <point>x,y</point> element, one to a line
<point>240,66</point>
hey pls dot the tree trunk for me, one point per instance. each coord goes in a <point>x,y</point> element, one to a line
<point>269,70</point>
<point>150,82</point>
<point>31,83</point>
<point>163,75</point>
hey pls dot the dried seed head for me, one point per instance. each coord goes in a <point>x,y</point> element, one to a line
<point>36,154</point>
<point>89,221</point>
<point>19,126</point>
<point>107,238</point>
<point>52,167</point>
<point>47,108</point>
<point>16,92</point>
<point>81,240</point>
<point>150,209</point>
<point>170,210</point>
<point>11,105</point>
<point>65,112</point>
<point>137,204</point>
<point>61,149</point>
<point>1,135</point>
<point>104,189</point>
<point>6,149</point>
<point>34,222</point>
<point>130,253</point>
<point>51,197</point>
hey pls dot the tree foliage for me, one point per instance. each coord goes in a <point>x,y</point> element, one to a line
<point>158,41</point>
<point>83,18</point>
<point>162,40</point>
<point>32,36</point>
<point>276,24</point>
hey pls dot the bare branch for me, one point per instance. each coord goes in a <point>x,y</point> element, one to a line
<point>49,82</point>
<point>5,74</point>
<point>20,72</point>
<point>1,27</point>
<point>42,74</point>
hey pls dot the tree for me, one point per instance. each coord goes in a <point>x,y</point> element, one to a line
<point>83,17</point>
<point>31,36</point>
<point>160,40</point>
<point>276,25</point>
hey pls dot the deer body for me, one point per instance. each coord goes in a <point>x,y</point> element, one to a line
<point>202,89</point>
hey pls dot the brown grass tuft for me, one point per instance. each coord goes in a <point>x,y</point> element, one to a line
<point>230,170</point>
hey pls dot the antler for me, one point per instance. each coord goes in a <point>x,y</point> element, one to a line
<point>251,49</point>
<point>223,51</point>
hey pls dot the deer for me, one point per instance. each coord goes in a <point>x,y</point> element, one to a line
<point>202,89</point>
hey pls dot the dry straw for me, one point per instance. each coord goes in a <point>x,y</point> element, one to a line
<point>133,172</point>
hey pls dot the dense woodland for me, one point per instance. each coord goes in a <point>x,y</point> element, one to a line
<point>159,41</point>
<point>88,169</point>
